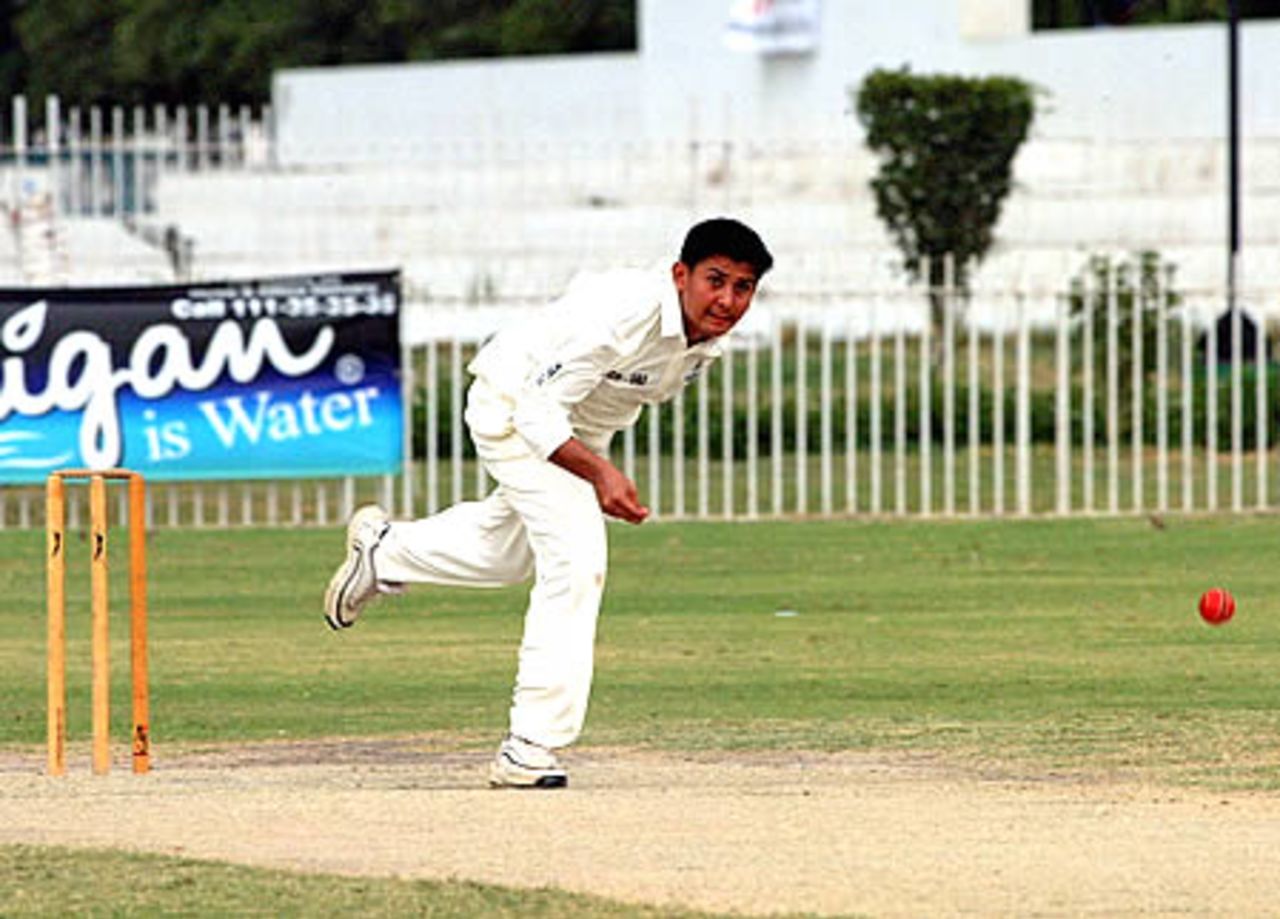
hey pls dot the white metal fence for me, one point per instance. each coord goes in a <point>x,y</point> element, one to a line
<point>1130,407</point>
<point>836,397</point>
<point>107,161</point>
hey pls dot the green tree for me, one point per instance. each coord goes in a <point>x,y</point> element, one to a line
<point>557,27</point>
<point>946,146</point>
<point>169,51</point>
<point>189,54</point>
<point>13,59</point>
<point>68,48</point>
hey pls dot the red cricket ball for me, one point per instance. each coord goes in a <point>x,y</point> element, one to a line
<point>1217,605</point>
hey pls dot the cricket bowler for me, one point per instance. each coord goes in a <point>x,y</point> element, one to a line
<point>548,394</point>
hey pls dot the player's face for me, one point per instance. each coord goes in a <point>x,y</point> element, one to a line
<point>714,295</point>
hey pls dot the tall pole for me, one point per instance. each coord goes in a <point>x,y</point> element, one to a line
<point>1233,258</point>
<point>1233,150</point>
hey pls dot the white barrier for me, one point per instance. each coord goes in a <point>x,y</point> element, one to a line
<point>485,228</point>
<point>821,411</point>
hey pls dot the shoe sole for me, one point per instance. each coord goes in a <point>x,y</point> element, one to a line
<point>544,781</point>
<point>336,592</point>
<point>518,776</point>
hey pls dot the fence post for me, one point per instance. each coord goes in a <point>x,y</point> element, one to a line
<point>19,178</point>
<point>1261,439</point>
<point>1024,409</point>
<point>1062,407</point>
<point>202,138</point>
<point>802,414</point>
<point>59,261</point>
<point>1188,398</point>
<point>53,151</point>
<point>455,415</point>
<point>727,428</point>
<point>139,161</point>
<point>1135,379</point>
<point>224,136</point>
<point>1162,397</point>
<point>408,384</point>
<point>899,413</point>
<point>824,406</point>
<point>1088,434</point>
<point>703,446</point>
<point>926,397</point>
<point>948,388</point>
<point>1237,408</point>
<point>851,415</point>
<point>998,341</point>
<point>117,163</point>
<point>753,428</point>
<point>628,453</point>
<point>877,399</point>
<point>1211,414</point>
<point>1113,390</point>
<point>97,165</point>
<point>975,422</point>
<point>75,172</point>
<point>655,460</point>
<point>181,141</point>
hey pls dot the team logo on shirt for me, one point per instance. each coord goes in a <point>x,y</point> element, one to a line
<point>693,372</point>
<point>636,378</point>
<point>547,374</point>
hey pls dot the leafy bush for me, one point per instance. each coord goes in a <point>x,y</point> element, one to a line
<point>946,145</point>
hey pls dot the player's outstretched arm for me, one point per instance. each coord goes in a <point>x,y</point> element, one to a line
<point>616,493</point>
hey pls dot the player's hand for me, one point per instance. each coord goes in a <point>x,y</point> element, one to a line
<point>615,492</point>
<point>618,496</point>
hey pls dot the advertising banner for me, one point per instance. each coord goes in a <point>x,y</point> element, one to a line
<point>271,378</point>
<point>773,26</point>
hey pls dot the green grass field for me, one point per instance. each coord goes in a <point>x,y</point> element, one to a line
<point>1050,645</point>
<point>61,882</point>
<point>1072,641</point>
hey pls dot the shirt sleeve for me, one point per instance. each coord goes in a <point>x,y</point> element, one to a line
<point>562,356</point>
<point>541,414</point>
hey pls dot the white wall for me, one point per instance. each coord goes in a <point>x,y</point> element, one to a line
<point>1154,82</point>
<point>373,112</point>
<point>1129,82</point>
<point>1133,82</point>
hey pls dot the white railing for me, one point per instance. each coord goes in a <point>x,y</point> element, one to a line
<point>827,409</point>
<point>107,161</point>
<point>832,381</point>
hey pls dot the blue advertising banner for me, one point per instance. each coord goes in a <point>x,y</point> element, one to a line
<point>270,378</point>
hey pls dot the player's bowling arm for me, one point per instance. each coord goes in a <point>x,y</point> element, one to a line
<point>615,492</point>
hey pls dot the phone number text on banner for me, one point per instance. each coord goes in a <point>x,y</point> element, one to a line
<point>270,378</point>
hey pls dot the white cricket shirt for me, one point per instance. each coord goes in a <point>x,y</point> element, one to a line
<point>584,365</point>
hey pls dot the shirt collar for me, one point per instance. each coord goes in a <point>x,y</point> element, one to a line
<point>672,323</point>
<point>672,318</point>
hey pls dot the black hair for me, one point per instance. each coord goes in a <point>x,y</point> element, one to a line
<point>727,237</point>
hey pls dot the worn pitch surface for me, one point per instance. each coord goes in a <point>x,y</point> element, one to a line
<point>753,833</point>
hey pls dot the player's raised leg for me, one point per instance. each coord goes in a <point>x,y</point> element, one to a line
<point>475,543</point>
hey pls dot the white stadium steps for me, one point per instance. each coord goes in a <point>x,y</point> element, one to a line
<point>511,224</point>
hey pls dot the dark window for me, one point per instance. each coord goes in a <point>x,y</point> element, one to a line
<point>1083,14</point>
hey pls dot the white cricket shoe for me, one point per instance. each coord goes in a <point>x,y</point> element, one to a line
<point>522,764</point>
<point>355,582</point>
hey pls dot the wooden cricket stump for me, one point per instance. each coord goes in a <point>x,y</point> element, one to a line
<point>55,560</point>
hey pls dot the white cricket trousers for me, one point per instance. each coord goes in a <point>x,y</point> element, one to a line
<point>539,519</point>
